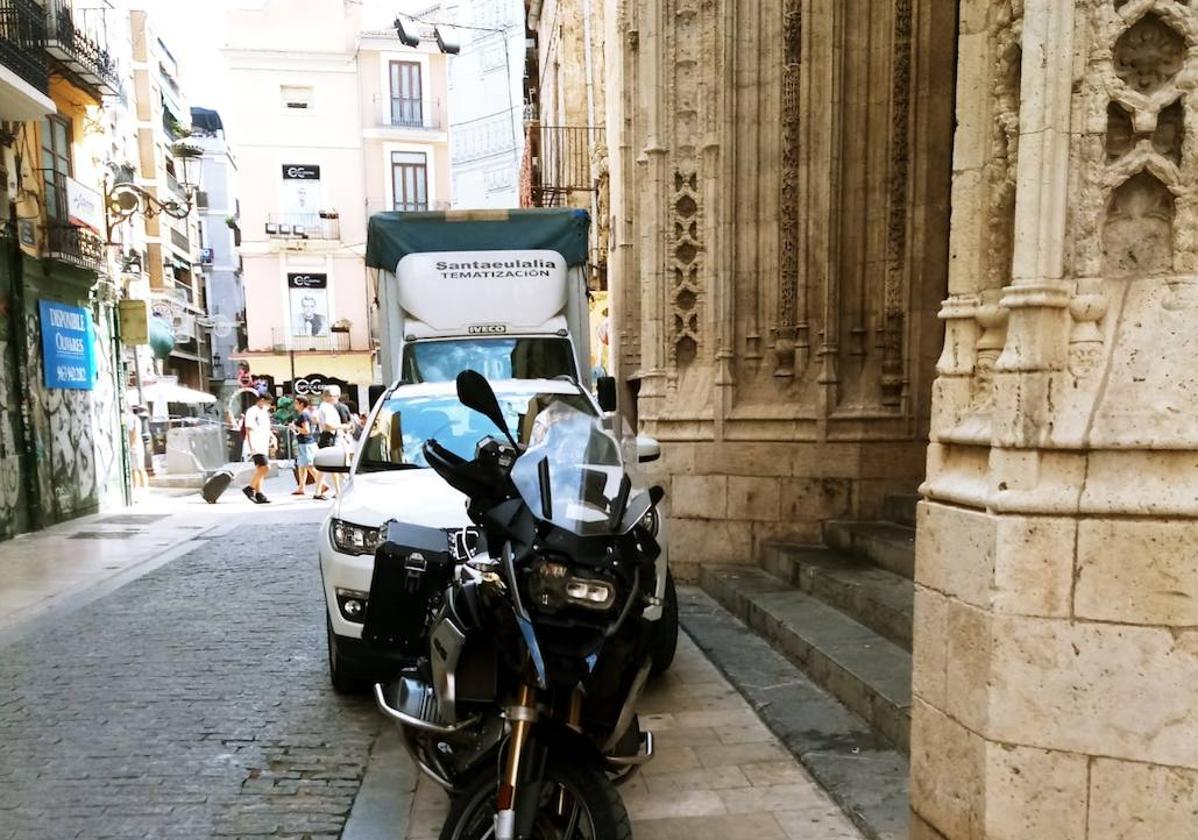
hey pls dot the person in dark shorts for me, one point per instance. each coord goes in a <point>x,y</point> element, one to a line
<point>306,426</point>
<point>257,446</point>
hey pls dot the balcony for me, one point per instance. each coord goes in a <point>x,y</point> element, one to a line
<point>326,226</point>
<point>23,43</point>
<point>335,342</point>
<point>409,114</point>
<point>180,240</point>
<point>561,162</point>
<point>75,245</point>
<point>75,41</point>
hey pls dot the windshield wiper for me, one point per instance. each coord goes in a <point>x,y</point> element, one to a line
<point>386,466</point>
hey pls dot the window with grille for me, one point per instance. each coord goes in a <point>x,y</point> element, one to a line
<point>407,106</point>
<point>409,179</point>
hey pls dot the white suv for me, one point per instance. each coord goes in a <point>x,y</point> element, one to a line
<point>389,480</point>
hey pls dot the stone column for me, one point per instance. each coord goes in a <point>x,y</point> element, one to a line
<point>1056,660</point>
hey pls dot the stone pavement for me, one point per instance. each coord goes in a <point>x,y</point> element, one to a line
<point>89,556</point>
<point>718,774</point>
<point>193,702</point>
<point>190,698</point>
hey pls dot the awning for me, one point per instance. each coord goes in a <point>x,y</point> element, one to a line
<point>392,236</point>
<point>205,119</point>
<point>171,392</point>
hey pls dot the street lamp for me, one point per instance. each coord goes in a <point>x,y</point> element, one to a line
<point>123,200</point>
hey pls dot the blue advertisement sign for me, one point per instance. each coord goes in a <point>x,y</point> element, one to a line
<point>68,346</point>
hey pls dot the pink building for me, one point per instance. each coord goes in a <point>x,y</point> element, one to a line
<point>331,124</point>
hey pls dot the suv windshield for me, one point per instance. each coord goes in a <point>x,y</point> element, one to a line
<point>404,423</point>
<point>495,358</point>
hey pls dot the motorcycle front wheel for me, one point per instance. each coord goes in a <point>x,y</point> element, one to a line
<point>578,802</point>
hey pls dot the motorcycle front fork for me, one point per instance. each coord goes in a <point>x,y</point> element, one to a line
<point>523,715</point>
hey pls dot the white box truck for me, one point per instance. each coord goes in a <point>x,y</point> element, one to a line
<point>503,292</point>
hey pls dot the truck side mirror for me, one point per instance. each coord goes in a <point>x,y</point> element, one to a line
<point>605,389</point>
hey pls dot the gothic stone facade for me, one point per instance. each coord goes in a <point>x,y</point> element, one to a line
<point>1057,586</point>
<point>778,251</point>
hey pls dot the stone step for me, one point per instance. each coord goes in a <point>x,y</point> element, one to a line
<point>900,508</point>
<point>885,544</point>
<point>861,771</point>
<point>869,674</point>
<point>881,600</point>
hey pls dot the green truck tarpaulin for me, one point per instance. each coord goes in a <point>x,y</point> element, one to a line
<point>392,236</point>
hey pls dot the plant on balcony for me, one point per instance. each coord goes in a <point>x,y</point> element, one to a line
<point>231,221</point>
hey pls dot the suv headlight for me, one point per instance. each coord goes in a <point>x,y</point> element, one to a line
<point>349,538</point>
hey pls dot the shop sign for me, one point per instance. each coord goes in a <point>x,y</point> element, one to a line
<point>313,385</point>
<point>308,280</point>
<point>84,205</point>
<point>134,317</point>
<point>68,346</point>
<point>300,172</point>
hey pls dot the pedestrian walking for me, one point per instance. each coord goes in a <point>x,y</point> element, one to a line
<point>306,429</point>
<point>137,448</point>
<point>348,410</point>
<point>331,430</point>
<point>258,438</point>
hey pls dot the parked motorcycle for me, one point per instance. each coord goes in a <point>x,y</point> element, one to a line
<point>530,655</point>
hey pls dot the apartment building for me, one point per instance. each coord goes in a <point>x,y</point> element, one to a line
<point>61,452</point>
<point>164,154</point>
<point>333,123</point>
<point>486,92</point>
<point>220,237</point>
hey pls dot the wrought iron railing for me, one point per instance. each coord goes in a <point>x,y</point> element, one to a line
<point>562,162</point>
<point>303,225</point>
<point>398,112</point>
<point>23,41</point>
<point>75,245</point>
<point>80,50</point>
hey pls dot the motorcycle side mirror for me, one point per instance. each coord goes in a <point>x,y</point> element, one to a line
<point>474,391</point>
<point>605,390</point>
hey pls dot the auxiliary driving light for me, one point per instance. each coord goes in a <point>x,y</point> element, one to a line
<point>352,604</point>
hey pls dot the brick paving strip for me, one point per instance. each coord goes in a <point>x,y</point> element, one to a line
<point>719,773</point>
<point>192,702</point>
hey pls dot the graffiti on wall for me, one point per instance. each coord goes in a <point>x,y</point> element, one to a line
<point>78,432</point>
<point>10,465</point>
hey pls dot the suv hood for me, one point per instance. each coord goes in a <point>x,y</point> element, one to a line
<point>418,497</point>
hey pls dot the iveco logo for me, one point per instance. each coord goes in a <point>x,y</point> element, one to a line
<point>487,329</point>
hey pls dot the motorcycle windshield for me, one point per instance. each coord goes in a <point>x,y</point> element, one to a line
<point>572,473</point>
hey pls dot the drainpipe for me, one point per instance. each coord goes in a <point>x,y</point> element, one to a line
<point>590,71</point>
<point>20,333</point>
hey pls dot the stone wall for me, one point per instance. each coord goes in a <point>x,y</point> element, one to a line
<point>1055,657</point>
<point>777,253</point>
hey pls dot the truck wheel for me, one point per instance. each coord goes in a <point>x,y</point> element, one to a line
<point>665,634</point>
<point>343,680</point>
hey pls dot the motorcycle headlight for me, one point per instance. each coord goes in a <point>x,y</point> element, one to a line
<point>349,538</point>
<point>553,587</point>
<point>651,521</point>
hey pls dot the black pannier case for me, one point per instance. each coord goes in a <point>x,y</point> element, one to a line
<point>412,569</point>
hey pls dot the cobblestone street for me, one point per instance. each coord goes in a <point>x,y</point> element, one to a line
<point>193,702</point>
